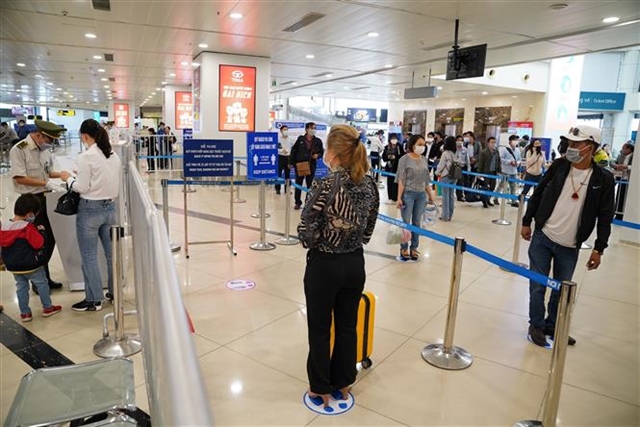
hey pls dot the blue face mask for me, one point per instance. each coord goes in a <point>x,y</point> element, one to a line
<point>30,219</point>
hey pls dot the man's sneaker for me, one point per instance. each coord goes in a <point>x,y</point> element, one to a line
<point>46,312</point>
<point>26,317</point>
<point>536,335</point>
<point>85,305</point>
<point>54,285</point>
<point>552,334</point>
<point>109,296</point>
<point>297,207</point>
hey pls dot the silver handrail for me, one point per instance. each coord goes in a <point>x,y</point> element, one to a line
<point>171,366</point>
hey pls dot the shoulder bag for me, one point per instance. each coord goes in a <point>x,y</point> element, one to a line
<point>68,202</point>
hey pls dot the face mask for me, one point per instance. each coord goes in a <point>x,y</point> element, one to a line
<point>418,149</point>
<point>285,133</point>
<point>394,141</point>
<point>31,218</point>
<point>312,132</point>
<point>429,139</point>
<point>458,143</point>
<point>573,155</point>
<point>466,139</point>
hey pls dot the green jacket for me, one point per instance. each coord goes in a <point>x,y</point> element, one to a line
<point>484,162</point>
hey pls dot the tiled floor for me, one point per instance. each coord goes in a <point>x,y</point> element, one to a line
<point>252,344</point>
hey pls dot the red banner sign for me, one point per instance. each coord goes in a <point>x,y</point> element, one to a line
<point>237,99</point>
<point>121,113</point>
<point>184,110</point>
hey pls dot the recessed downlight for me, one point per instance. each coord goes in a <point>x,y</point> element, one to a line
<point>97,56</point>
<point>38,76</point>
<point>329,76</point>
<point>203,45</point>
<point>90,36</point>
<point>610,19</point>
<point>388,66</point>
<point>172,74</point>
<point>310,56</point>
<point>163,83</point>
<point>485,93</point>
<point>373,34</point>
<point>235,15</point>
<point>21,64</point>
<point>184,63</point>
<point>195,64</point>
<point>101,70</point>
<point>49,83</point>
<point>104,79</point>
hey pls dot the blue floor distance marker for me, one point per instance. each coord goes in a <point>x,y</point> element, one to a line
<point>337,405</point>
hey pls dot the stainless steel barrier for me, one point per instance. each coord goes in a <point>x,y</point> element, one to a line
<point>287,239</point>
<point>446,355</point>
<point>165,212</point>
<point>172,370</point>
<point>503,205</point>
<point>262,245</point>
<point>517,238</point>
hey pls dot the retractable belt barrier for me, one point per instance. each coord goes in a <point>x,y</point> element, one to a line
<point>248,183</point>
<point>627,224</point>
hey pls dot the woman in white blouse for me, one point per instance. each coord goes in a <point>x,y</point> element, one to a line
<point>534,162</point>
<point>98,182</point>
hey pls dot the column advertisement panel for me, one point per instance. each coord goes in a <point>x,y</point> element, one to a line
<point>196,99</point>
<point>236,99</point>
<point>184,110</point>
<point>121,112</point>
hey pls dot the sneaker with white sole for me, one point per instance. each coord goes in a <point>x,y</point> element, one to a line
<point>85,305</point>
<point>54,309</point>
<point>28,317</point>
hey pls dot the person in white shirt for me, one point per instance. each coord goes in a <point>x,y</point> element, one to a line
<point>376,151</point>
<point>284,149</point>
<point>509,159</point>
<point>98,182</point>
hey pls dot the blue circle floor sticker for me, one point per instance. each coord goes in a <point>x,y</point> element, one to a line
<point>337,405</point>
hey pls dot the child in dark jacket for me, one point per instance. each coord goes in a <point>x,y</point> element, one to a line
<point>22,245</point>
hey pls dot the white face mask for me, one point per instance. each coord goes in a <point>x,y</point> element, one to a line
<point>285,133</point>
<point>312,132</point>
<point>429,140</point>
<point>466,139</point>
<point>394,141</point>
<point>573,155</point>
<point>418,149</point>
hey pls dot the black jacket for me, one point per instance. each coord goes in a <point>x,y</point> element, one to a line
<point>599,202</point>
<point>392,164</point>
<point>300,152</point>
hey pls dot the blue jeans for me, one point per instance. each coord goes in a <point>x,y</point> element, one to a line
<point>39,279</point>
<point>413,207</point>
<point>541,251</point>
<point>95,218</point>
<point>448,198</point>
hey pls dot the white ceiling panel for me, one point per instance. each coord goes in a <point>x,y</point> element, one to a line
<point>149,40</point>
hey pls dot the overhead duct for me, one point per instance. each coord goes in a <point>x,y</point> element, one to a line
<point>306,20</point>
<point>103,5</point>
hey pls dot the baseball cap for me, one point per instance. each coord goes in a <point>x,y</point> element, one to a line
<point>50,129</point>
<point>583,133</point>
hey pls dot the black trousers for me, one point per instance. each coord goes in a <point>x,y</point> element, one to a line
<point>297,194</point>
<point>49,240</point>
<point>151,151</point>
<point>392,188</point>
<point>375,164</point>
<point>332,283</point>
<point>283,170</point>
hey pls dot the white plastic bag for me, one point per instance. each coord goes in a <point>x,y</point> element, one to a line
<point>395,235</point>
<point>430,215</point>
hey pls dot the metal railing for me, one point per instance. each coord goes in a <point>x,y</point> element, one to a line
<point>171,366</point>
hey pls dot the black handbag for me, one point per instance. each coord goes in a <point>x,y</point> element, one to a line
<point>68,202</point>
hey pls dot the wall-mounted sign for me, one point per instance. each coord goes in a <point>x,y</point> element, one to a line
<point>601,101</point>
<point>237,99</point>
<point>121,114</point>
<point>362,115</point>
<point>196,99</point>
<point>184,110</point>
<point>520,128</point>
<point>66,113</point>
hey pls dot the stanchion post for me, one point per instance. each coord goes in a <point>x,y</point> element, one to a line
<point>121,344</point>
<point>185,216</point>
<point>237,199</point>
<point>261,212</point>
<point>446,355</point>
<point>287,239</point>
<point>515,259</point>
<point>503,205</point>
<point>165,212</point>
<point>262,245</point>
<point>556,371</point>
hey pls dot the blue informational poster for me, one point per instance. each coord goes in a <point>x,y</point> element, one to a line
<point>208,157</point>
<point>187,134</point>
<point>262,155</point>
<point>321,168</point>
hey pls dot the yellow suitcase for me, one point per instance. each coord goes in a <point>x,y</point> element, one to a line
<point>364,329</point>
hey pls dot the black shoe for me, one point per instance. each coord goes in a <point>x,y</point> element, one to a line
<point>537,336</point>
<point>515,204</point>
<point>109,296</point>
<point>85,305</point>
<point>54,285</point>
<point>489,203</point>
<point>277,192</point>
<point>552,334</point>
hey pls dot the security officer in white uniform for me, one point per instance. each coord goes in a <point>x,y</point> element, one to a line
<point>31,168</point>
